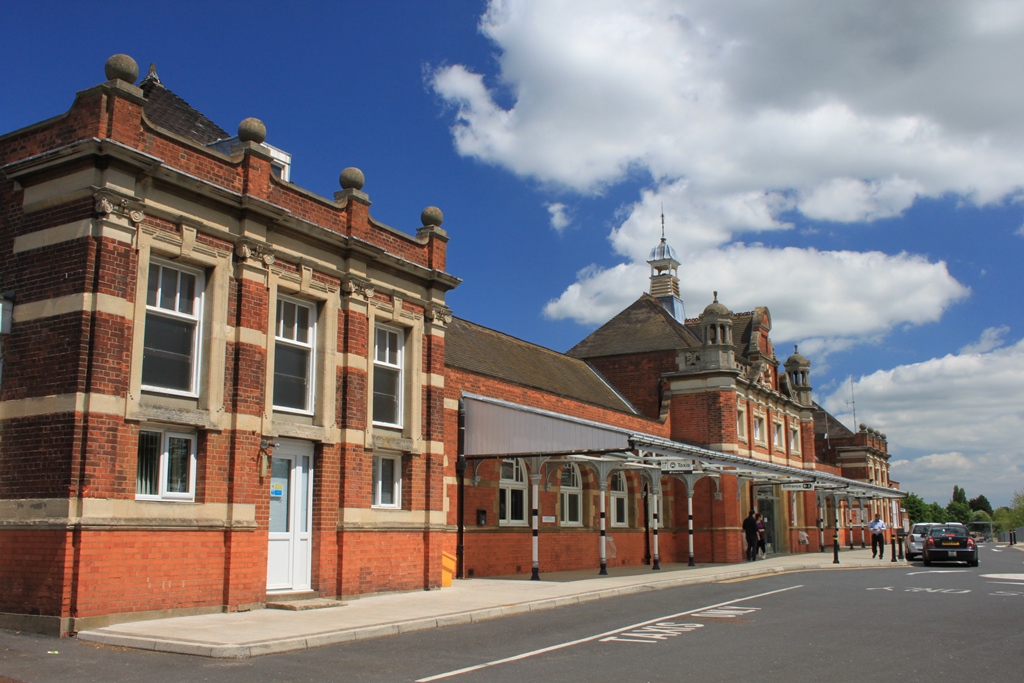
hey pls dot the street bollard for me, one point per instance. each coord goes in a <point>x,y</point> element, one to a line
<point>899,542</point>
<point>835,548</point>
<point>893,548</point>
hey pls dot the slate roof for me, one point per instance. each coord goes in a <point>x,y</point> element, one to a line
<point>646,326</point>
<point>642,327</point>
<point>167,110</point>
<point>826,423</point>
<point>484,351</point>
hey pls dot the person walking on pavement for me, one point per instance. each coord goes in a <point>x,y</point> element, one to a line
<point>762,547</point>
<point>750,531</point>
<point>877,529</point>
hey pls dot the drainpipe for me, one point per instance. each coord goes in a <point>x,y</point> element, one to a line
<point>460,475</point>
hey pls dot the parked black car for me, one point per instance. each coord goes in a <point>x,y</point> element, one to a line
<point>949,543</point>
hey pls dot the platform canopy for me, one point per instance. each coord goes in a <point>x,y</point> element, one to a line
<point>501,429</point>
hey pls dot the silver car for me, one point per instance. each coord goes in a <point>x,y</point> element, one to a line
<point>916,538</point>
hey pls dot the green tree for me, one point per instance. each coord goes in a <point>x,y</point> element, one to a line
<point>959,495</point>
<point>980,516</point>
<point>916,508</point>
<point>934,513</point>
<point>981,503</point>
<point>1017,509</point>
<point>1003,518</point>
<point>958,512</point>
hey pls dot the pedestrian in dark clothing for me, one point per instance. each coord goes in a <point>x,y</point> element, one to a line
<point>877,529</point>
<point>762,547</point>
<point>750,531</point>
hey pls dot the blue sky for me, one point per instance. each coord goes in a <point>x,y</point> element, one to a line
<point>856,167</point>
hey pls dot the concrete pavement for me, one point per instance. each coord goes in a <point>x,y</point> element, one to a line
<point>267,631</point>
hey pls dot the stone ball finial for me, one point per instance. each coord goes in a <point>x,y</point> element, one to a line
<point>432,216</point>
<point>121,67</point>
<point>252,130</point>
<point>352,179</point>
<point>883,437</point>
<point>863,427</point>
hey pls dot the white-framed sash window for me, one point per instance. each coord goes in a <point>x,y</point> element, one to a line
<point>172,341</point>
<point>619,500</point>
<point>387,481</point>
<point>513,498</point>
<point>294,355</point>
<point>166,467</point>
<point>571,512</point>
<point>759,434</point>
<point>388,376</point>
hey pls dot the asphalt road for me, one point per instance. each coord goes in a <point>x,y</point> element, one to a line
<point>892,623</point>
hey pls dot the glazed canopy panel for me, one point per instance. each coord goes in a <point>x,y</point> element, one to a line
<point>497,428</point>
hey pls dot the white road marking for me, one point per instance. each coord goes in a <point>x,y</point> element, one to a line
<point>663,630</point>
<point>938,571</point>
<point>599,636</point>
<point>1004,577</point>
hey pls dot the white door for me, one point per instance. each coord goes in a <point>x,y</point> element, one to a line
<point>291,517</point>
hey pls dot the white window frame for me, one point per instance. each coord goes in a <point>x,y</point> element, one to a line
<point>759,427</point>
<point>518,482</point>
<point>779,435</point>
<point>378,481</point>
<point>618,492</point>
<point>162,493</point>
<point>794,439</point>
<point>309,347</point>
<point>195,318</point>
<point>387,364</point>
<point>741,424</point>
<point>571,488</point>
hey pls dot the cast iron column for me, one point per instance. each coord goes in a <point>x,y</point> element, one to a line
<point>535,512</point>
<point>604,557</point>
<point>656,497</point>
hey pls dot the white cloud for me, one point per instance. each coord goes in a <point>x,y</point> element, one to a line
<point>933,476</point>
<point>870,103</point>
<point>744,118</point>
<point>559,213</point>
<point>849,199</point>
<point>971,403</point>
<point>991,338</point>
<point>829,298</point>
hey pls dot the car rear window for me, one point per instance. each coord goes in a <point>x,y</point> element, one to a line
<point>920,528</point>
<point>939,531</point>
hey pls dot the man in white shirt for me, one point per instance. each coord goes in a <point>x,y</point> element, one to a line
<point>877,529</point>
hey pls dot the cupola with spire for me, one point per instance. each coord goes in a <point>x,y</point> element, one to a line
<point>665,276</point>
<point>798,368</point>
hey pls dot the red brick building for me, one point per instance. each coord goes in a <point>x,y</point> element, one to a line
<point>218,387</point>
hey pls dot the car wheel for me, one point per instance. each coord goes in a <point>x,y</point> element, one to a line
<point>927,562</point>
<point>972,563</point>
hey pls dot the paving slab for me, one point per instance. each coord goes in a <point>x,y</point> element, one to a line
<point>269,631</point>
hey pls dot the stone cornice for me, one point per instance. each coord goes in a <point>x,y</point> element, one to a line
<point>276,218</point>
